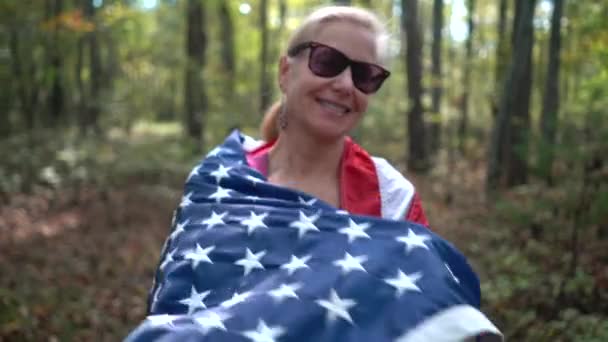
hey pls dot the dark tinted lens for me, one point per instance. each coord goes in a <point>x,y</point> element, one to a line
<point>367,77</point>
<point>327,62</point>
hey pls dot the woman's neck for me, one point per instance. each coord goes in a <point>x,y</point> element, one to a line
<point>298,156</point>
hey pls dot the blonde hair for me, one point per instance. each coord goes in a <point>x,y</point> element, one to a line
<point>309,27</point>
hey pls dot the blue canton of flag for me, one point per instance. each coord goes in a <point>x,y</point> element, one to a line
<point>250,261</point>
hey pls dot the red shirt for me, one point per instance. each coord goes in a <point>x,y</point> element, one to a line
<point>359,186</point>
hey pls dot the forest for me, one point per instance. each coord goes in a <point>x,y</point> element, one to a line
<point>496,110</point>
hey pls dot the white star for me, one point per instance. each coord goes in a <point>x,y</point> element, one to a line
<point>179,228</point>
<point>198,255</point>
<point>220,193</point>
<point>168,259</point>
<point>285,291</point>
<point>211,320</point>
<point>251,261</point>
<point>305,224</point>
<point>404,282</point>
<point>214,152</point>
<point>195,300</point>
<point>236,299</point>
<point>296,263</point>
<point>220,173</point>
<point>341,212</point>
<point>264,333</point>
<point>350,263</point>
<point>194,172</point>
<point>354,230</point>
<point>337,307</point>
<point>412,241</point>
<point>157,320</point>
<point>309,202</point>
<point>214,220</point>
<point>452,273</point>
<point>186,201</point>
<point>254,222</point>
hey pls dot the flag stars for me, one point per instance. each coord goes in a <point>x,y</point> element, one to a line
<point>405,282</point>
<point>413,241</point>
<point>186,200</point>
<point>264,333</point>
<point>212,320</point>
<point>354,230</point>
<point>220,193</point>
<point>195,301</point>
<point>168,259</point>
<point>305,224</point>
<point>254,222</point>
<point>237,298</point>
<point>295,264</point>
<point>304,201</point>
<point>214,220</point>
<point>285,291</point>
<point>350,263</point>
<point>221,173</point>
<point>179,228</point>
<point>194,172</point>
<point>337,307</point>
<point>158,320</point>
<point>199,255</point>
<point>251,261</point>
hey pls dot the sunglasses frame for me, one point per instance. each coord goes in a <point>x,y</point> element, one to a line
<point>384,74</point>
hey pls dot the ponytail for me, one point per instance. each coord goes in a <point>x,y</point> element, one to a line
<point>270,123</point>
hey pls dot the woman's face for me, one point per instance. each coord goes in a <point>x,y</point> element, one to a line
<point>327,108</point>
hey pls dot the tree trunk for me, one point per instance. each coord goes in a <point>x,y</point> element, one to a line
<point>435,125</point>
<point>93,104</point>
<point>56,96</point>
<point>508,150</point>
<point>265,89</point>
<point>417,159</point>
<point>463,125</point>
<point>196,44</point>
<point>501,54</point>
<point>342,2</point>
<point>27,91</point>
<point>551,96</point>
<point>227,48</point>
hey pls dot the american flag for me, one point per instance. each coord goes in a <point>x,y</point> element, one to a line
<point>250,261</point>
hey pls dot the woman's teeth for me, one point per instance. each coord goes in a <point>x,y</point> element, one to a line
<point>334,107</point>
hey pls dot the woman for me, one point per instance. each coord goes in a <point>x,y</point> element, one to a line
<point>256,256</point>
<point>330,71</point>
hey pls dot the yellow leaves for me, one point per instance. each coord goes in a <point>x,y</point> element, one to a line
<point>70,20</point>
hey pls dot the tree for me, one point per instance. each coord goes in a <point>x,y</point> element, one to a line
<point>265,88</point>
<point>466,81</point>
<point>507,156</point>
<point>551,95</point>
<point>55,101</point>
<point>196,44</point>
<point>502,46</point>
<point>227,48</point>
<point>93,102</point>
<point>417,159</point>
<point>342,2</point>
<point>437,84</point>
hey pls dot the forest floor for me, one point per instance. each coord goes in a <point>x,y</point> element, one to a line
<point>77,264</point>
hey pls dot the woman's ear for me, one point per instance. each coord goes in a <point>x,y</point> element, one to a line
<point>283,72</point>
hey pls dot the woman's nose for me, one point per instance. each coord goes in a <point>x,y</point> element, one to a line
<point>344,80</point>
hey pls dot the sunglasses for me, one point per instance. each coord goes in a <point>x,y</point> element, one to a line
<point>325,61</point>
